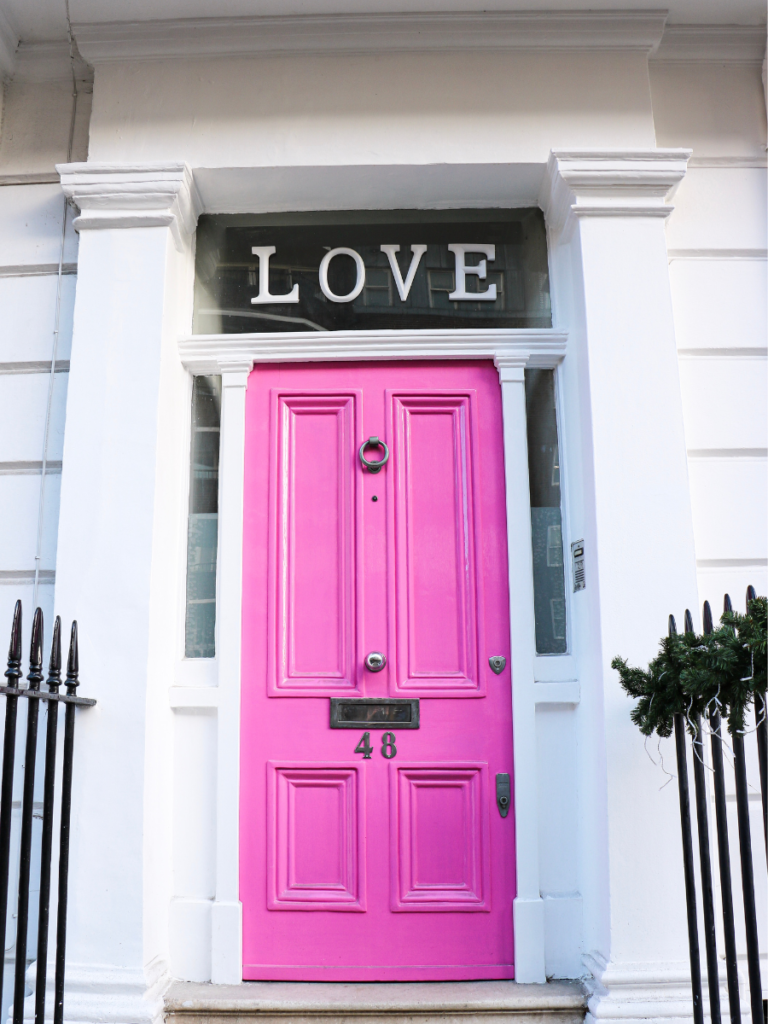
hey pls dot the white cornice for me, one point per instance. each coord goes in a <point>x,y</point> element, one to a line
<point>738,44</point>
<point>149,195</point>
<point>361,33</point>
<point>610,184</point>
<point>226,353</point>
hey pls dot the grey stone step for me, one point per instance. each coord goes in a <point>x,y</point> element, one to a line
<point>439,1002</point>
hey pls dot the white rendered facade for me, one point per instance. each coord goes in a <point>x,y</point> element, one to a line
<point>643,141</point>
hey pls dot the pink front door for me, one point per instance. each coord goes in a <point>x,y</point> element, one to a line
<point>375,850</point>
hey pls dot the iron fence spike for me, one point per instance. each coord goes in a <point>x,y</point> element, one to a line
<point>707,618</point>
<point>14,650</point>
<point>54,665</point>
<point>751,594</point>
<point>35,676</point>
<point>727,605</point>
<point>688,621</point>
<point>672,625</point>
<point>73,661</point>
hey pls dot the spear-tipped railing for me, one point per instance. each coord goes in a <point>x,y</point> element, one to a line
<point>52,698</point>
<point>735,739</point>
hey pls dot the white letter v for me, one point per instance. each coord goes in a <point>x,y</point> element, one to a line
<point>403,287</point>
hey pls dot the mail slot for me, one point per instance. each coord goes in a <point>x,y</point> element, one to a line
<point>374,713</point>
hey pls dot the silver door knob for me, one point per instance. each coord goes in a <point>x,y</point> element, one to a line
<point>375,661</point>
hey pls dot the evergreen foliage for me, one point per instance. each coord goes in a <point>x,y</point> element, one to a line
<point>720,672</point>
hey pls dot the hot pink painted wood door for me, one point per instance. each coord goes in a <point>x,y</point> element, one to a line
<point>397,865</point>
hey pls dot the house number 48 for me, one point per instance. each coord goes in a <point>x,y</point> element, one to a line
<point>388,748</point>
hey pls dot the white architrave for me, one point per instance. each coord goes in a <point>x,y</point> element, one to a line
<point>512,351</point>
<point>128,393</point>
<point>608,254</point>
<point>529,906</point>
<point>227,914</point>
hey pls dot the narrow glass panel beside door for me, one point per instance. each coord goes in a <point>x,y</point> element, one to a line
<point>203,530</point>
<point>546,517</point>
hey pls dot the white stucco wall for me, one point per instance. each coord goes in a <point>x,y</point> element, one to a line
<point>389,108</point>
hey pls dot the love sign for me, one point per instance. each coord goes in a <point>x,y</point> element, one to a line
<point>406,270</point>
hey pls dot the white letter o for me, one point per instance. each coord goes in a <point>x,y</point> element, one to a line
<point>359,284</point>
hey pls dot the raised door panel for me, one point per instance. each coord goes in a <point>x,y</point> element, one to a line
<point>439,823</point>
<point>436,592</point>
<point>313,549</point>
<point>315,837</point>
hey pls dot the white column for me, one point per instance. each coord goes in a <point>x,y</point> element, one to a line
<point>120,573</point>
<point>630,502</point>
<point>227,914</point>
<point>528,906</point>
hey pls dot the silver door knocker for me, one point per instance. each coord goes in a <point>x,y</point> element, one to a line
<point>497,663</point>
<point>373,442</point>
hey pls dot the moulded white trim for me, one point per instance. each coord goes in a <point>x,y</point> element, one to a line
<point>740,44</point>
<point>233,356</point>
<point>217,353</point>
<point>193,698</point>
<point>106,992</point>
<point>600,183</point>
<point>31,178</point>
<point>133,196</point>
<point>226,913</point>
<point>37,269</point>
<point>727,162</point>
<point>753,352</point>
<point>567,691</point>
<point>717,254</point>
<point>731,563</point>
<point>628,992</point>
<point>742,454</point>
<point>361,33</point>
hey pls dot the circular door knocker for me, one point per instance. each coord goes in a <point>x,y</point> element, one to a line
<point>373,442</point>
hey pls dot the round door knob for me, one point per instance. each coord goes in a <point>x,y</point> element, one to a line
<point>375,661</point>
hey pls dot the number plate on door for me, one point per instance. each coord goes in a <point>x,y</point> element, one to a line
<point>374,713</point>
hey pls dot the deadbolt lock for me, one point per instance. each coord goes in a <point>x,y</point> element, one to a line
<point>375,661</point>
<point>498,663</point>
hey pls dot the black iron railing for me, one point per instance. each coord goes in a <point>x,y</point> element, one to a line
<point>735,740</point>
<point>34,694</point>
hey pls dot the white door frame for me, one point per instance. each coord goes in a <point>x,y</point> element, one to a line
<point>233,356</point>
<point>605,214</point>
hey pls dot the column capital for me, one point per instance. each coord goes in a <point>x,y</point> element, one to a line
<point>511,368</point>
<point>628,183</point>
<point>133,196</point>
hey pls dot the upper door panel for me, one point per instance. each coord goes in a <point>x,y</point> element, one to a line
<point>314,555</point>
<point>434,599</point>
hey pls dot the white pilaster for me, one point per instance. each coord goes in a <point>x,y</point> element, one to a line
<point>630,502</point>
<point>121,547</point>
<point>528,906</point>
<point>227,915</point>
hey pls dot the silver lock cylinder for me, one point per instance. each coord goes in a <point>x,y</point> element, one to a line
<point>375,661</point>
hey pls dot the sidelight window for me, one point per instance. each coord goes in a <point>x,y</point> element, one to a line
<point>546,516</point>
<point>203,528</point>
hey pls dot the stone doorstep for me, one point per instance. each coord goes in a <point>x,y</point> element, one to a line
<point>438,1002</point>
